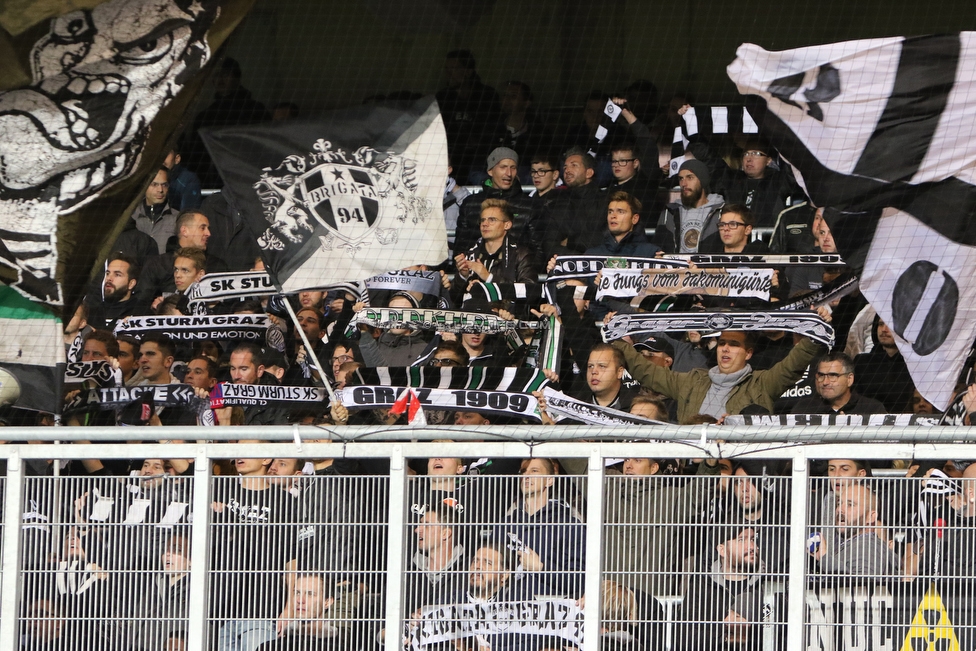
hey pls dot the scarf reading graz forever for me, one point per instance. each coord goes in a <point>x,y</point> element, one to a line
<point>252,327</point>
<point>225,394</point>
<point>100,371</point>
<point>808,324</point>
<point>455,321</point>
<point>475,378</point>
<point>563,407</point>
<point>163,395</point>
<point>499,403</point>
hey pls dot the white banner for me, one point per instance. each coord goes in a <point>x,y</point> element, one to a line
<point>560,618</point>
<point>734,283</point>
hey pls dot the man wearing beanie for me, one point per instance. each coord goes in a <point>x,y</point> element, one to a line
<point>684,225</point>
<point>502,183</point>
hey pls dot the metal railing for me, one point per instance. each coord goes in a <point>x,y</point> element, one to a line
<point>769,557</point>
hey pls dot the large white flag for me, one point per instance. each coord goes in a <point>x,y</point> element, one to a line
<point>882,133</point>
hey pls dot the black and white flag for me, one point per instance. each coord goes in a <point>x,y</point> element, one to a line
<point>346,197</point>
<point>99,78</point>
<point>707,121</point>
<point>880,132</point>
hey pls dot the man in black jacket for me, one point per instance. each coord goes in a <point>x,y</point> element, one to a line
<point>192,231</point>
<point>578,216</point>
<point>834,378</point>
<point>502,183</point>
<point>494,258</point>
<point>116,300</point>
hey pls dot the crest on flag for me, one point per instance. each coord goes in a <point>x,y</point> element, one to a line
<point>342,197</point>
<point>368,195</point>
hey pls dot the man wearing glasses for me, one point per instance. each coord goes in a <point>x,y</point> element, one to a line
<point>630,177</point>
<point>154,216</point>
<point>502,183</point>
<point>494,257</point>
<point>765,190</point>
<point>735,231</point>
<point>834,379</point>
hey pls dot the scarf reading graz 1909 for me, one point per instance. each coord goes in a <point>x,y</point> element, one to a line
<point>562,407</point>
<point>808,324</point>
<point>225,394</point>
<point>499,403</point>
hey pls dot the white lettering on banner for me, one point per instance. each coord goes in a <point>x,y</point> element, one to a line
<point>553,617</point>
<point>515,404</point>
<point>755,283</point>
<point>850,618</point>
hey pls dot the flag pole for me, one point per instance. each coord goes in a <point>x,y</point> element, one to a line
<point>309,351</point>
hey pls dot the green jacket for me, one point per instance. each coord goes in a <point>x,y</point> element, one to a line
<point>689,389</point>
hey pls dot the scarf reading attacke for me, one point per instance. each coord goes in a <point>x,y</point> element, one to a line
<point>718,392</point>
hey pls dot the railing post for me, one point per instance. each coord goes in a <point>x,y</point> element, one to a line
<point>593,586</point>
<point>796,594</point>
<point>10,586</point>
<point>199,606</point>
<point>395,539</point>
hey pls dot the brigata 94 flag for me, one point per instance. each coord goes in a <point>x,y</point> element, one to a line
<point>347,196</point>
<point>882,134</point>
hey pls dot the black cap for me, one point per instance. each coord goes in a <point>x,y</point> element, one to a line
<point>656,345</point>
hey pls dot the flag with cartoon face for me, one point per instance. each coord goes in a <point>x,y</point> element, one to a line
<point>344,197</point>
<point>879,133</point>
<point>99,77</point>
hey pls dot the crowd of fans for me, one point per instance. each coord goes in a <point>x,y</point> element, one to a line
<point>296,560</point>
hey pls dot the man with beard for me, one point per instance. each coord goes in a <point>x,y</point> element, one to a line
<point>686,225</point>
<point>577,216</point>
<point>856,546</point>
<point>723,607</point>
<point>117,300</point>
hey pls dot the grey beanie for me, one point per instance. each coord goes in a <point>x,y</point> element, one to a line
<point>498,154</point>
<point>700,170</point>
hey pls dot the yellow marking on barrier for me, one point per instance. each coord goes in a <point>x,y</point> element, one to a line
<point>921,629</point>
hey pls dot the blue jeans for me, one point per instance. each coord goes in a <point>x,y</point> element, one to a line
<point>245,634</point>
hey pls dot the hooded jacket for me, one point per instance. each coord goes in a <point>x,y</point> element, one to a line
<point>689,389</point>
<point>668,233</point>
